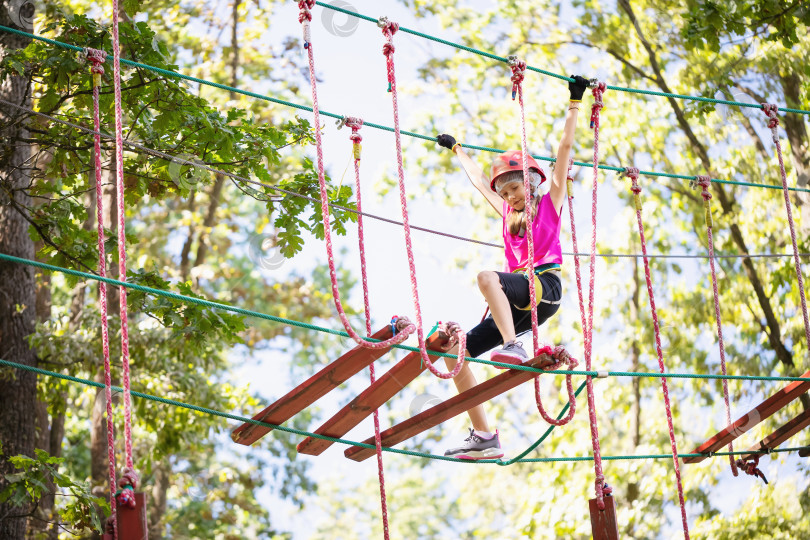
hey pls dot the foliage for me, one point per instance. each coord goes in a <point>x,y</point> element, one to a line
<point>79,509</point>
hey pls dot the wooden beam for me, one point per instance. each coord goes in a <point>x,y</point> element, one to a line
<point>780,435</point>
<point>452,407</point>
<point>755,416</point>
<point>383,389</point>
<point>603,522</point>
<point>314,388</point>
<point>131,523</point>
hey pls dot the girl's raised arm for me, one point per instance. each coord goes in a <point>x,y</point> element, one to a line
<point>476,175</point>
<point>558,189</point>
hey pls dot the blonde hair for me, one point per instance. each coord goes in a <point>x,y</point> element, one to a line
<point>516,219</point>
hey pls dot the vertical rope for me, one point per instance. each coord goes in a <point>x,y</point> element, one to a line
<point>518,70</point>
<point>587,329</point>
<point>122,239</point>
<point>304,17</point>
<point>388,30</point>
<point>704,182</point>
<point>632,173</point>
<point>97,58</point>
<point>355,124</point>
<point>773,123</point>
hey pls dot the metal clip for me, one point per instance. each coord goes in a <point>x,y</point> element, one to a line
<point>512,59</point>
<point>593,82</point>
<point>382,22</point>
<point>602,374</point>
<point>341,122</point>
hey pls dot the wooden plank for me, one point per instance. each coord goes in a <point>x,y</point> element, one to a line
<point>131,523</point>
<point>603,522</point>
<point>308,392</point>
<point>452,407</point>
<point>755,416</point>
<point>781,435</point>
<point>383,389</point>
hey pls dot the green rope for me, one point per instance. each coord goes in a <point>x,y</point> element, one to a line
<point>549,73</point>
<point>542,438</point>
<point>205,410</point>
<point>265,316</point>
<point>175,74</point>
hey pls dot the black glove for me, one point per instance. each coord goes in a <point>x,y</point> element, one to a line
<point>447,141</point>
<point>578,87</point>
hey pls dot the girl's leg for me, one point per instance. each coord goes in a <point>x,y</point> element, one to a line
<point>464,381</point>
<point>490,285</point>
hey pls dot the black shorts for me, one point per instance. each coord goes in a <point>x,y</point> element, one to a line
<point>486,335</point>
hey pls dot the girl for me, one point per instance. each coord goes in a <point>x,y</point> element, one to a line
<point>507,293</point>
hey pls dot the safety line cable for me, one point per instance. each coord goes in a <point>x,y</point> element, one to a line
<point>229,416</point>
<point>549,73</point>
<point>308,326</point>
<point>236,177</point>
<point>175,74</point>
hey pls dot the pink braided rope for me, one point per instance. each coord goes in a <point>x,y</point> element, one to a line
<point>632,173</point>
<point>587,330</point>
<point>518,69</point>
<point>97,58</point>
<point>122,239</point>
<point>704,182</point>
<point>355,124</point>
<point>562,357</point>
<point>773,123</point>
<point>401,336</point>
<point>388,30</point>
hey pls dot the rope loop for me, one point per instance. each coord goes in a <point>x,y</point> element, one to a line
<point>632,174</point>
<point>771,112</point>
<point>750,467</point>
<point>597,91</point>
<point>356,138</point>
<point>305,7</point>
<point>518,73</point>
<point>704,181</point>
<point>127,484</point>
<point>389,28</point>
<point>97,58</point>
<point>562,357</point>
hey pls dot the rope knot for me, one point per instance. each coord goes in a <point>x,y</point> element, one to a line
<point>305,6</point>
<point>127,484</point>
<point>389,28</point>
<point>750,468</point>
<point>632,174</point>
<point>97,58</point>
<point>771,112</point>
<point>598,105</point>
<point>703,181</point>
<point>518,72</point>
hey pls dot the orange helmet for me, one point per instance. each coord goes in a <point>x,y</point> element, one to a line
<point>511,160</point>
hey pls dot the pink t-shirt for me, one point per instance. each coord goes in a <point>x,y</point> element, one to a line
<point>545,237</point>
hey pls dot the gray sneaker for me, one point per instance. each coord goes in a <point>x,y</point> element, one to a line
<point>476,447</point>
<point>511,353</point>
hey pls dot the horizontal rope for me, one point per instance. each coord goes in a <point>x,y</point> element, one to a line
<point>265,316</point>
<point>175,74</point>
<point>213,412</point>
<point>489,55</point>
<point>236,177</point>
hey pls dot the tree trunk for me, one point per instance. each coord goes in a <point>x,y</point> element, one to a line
<point>18,389</point>
<point>157,500</point>
<point>633,490</point>
<point>773,331</point>
<point>796,130</point>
